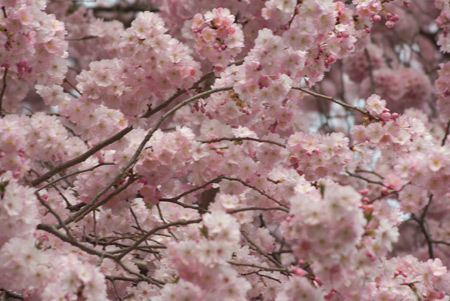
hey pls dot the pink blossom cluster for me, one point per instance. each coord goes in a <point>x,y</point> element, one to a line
<point>442,85</point>
<point>259,150</point>
<point>32,47</point>
<point>12,146</point>
<point>318,156</point>
<point>100,122</point>
<point>203,264</point>
<point>312,226</point>
<point>18,210</point>
<point>369,11</point>
<point>310,45</point>
<point>152,65</point>
<point>217,37</point>
<point>406,88</point>
<point>101,37</point>
<point>418,159</point>
<point>409,278</point>
<point>48,140</point>
<point>443,21</point>
<point>363,62</point>
<point>167,156</point>
<point>40,136</point>
<point>51,277</point>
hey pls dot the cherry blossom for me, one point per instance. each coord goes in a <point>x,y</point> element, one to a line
<point>224,150</point>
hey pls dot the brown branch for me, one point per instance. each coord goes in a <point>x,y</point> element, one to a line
<point>440,242</point>
<point>153,231</point>
<point>364,179</point>
<point>254,188</point>
<point>2,93</point>
<point>82,39</point>
<point>257,209</point>
<point>72,86</point>
<point>125,9</point>
<point>73,174</point>
<point>176,198</point>
<point>52,230</point>
<point>6,294</point>
<point>56,215</point>
<point>421,222</point>
<point>135,157</point>
<point>239,139</point>
<point>82,157</point>
<point>343,104</point>
<point>258,249</point>
<point>92,206</point>
<point>447,130</point>
<point>283,270</point>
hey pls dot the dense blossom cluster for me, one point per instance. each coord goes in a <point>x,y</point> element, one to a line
<point>150,61</point>
<point>218,39</point>
<point>224,150</point>
<point>33,48</point>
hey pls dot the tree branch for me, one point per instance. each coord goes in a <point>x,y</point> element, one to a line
<point>2,93</point>
<point>82,157</point>
<point>239,139</point>
<point>343,104</point>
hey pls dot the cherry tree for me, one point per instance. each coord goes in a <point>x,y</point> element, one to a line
<point>225,150</point>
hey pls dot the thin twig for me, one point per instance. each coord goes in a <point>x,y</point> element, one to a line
<point>6,294</point>
<point>72,86</point>
<point>257,209</point>
<point>73,174</point>
<point>153,231</point>
<point>447,130</point>
<point>82,39</point>
<point>2,93</point>
<point>283,270</point>
<point>239,139</point>
<point>254,188</point>
<point>365,179</point>
<point>421,222</point>
<point>258,249</point>
<point>82,157</point>
<point>56,215</point>
<point>51,229</point>
<point>137,153</point>
<point>343,104</point>
<point>92,206</point>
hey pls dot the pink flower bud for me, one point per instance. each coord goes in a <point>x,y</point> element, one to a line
<point>298,271</point>
<point>386,116</point>
<point>389,24</point>
<point>371,256</point>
